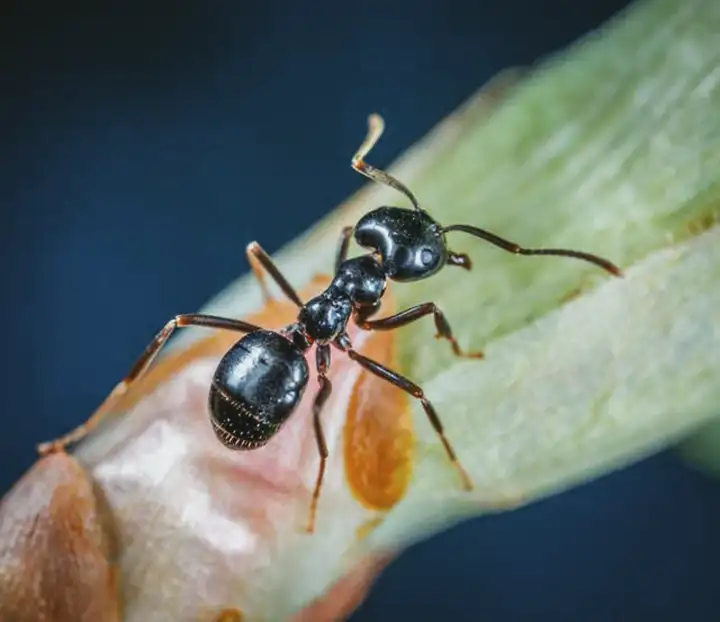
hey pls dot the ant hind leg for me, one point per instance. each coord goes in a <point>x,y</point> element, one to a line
<point>323,364</point>
<point>415,391</point>
<point>137,371</point>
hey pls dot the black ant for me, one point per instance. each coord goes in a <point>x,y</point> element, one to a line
<point>260,381</point>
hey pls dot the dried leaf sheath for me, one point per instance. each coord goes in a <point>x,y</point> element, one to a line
<point>57,555</point>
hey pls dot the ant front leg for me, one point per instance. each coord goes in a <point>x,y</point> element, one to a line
<point>342,251</point>
<point>261,263</point>
<point>413,314</point>
<point>140,367</point>
<point>415,391</point>
<point>323,364</point>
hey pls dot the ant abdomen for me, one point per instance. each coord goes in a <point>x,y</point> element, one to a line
<point>411,244</point>
<point>256,387</point>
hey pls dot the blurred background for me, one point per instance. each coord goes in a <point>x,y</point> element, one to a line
<point>141,149</point>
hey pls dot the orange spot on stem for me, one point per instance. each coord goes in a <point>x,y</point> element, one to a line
<point>229,615</point>
<point>379,439</point>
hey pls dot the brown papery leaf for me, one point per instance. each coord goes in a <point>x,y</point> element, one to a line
<point>56,548</point>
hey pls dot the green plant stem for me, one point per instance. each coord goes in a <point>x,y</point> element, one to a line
<point>612,147</point>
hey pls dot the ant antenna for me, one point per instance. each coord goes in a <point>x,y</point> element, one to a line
<point>511,247</point>
<point>376,127</point>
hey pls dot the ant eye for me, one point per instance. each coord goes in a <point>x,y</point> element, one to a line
<point>427,256</point>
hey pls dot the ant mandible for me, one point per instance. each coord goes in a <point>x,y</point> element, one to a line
<point>260,381</point>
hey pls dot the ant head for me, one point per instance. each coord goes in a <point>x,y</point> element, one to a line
<point>410,243</point>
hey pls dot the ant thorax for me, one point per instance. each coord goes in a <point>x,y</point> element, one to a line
<point>359,283</point>
<point>326,316</point>
<point>362,279</point>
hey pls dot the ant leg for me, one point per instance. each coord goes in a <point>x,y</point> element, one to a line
<point>342,251</point>
<point>462,260</point>
<point>410,387</point>
<point>140,367</point>
<point>323,364</point>
<point>413,314</point>
<point>376,127</point>
<point>261,263</point>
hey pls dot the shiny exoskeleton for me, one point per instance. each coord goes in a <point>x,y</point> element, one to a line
<point>260,381</point>
<point>256,387</point>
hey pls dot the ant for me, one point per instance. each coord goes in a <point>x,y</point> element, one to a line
<point>260,381</point>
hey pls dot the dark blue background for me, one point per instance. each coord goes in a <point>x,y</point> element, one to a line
<point>141,150</point>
